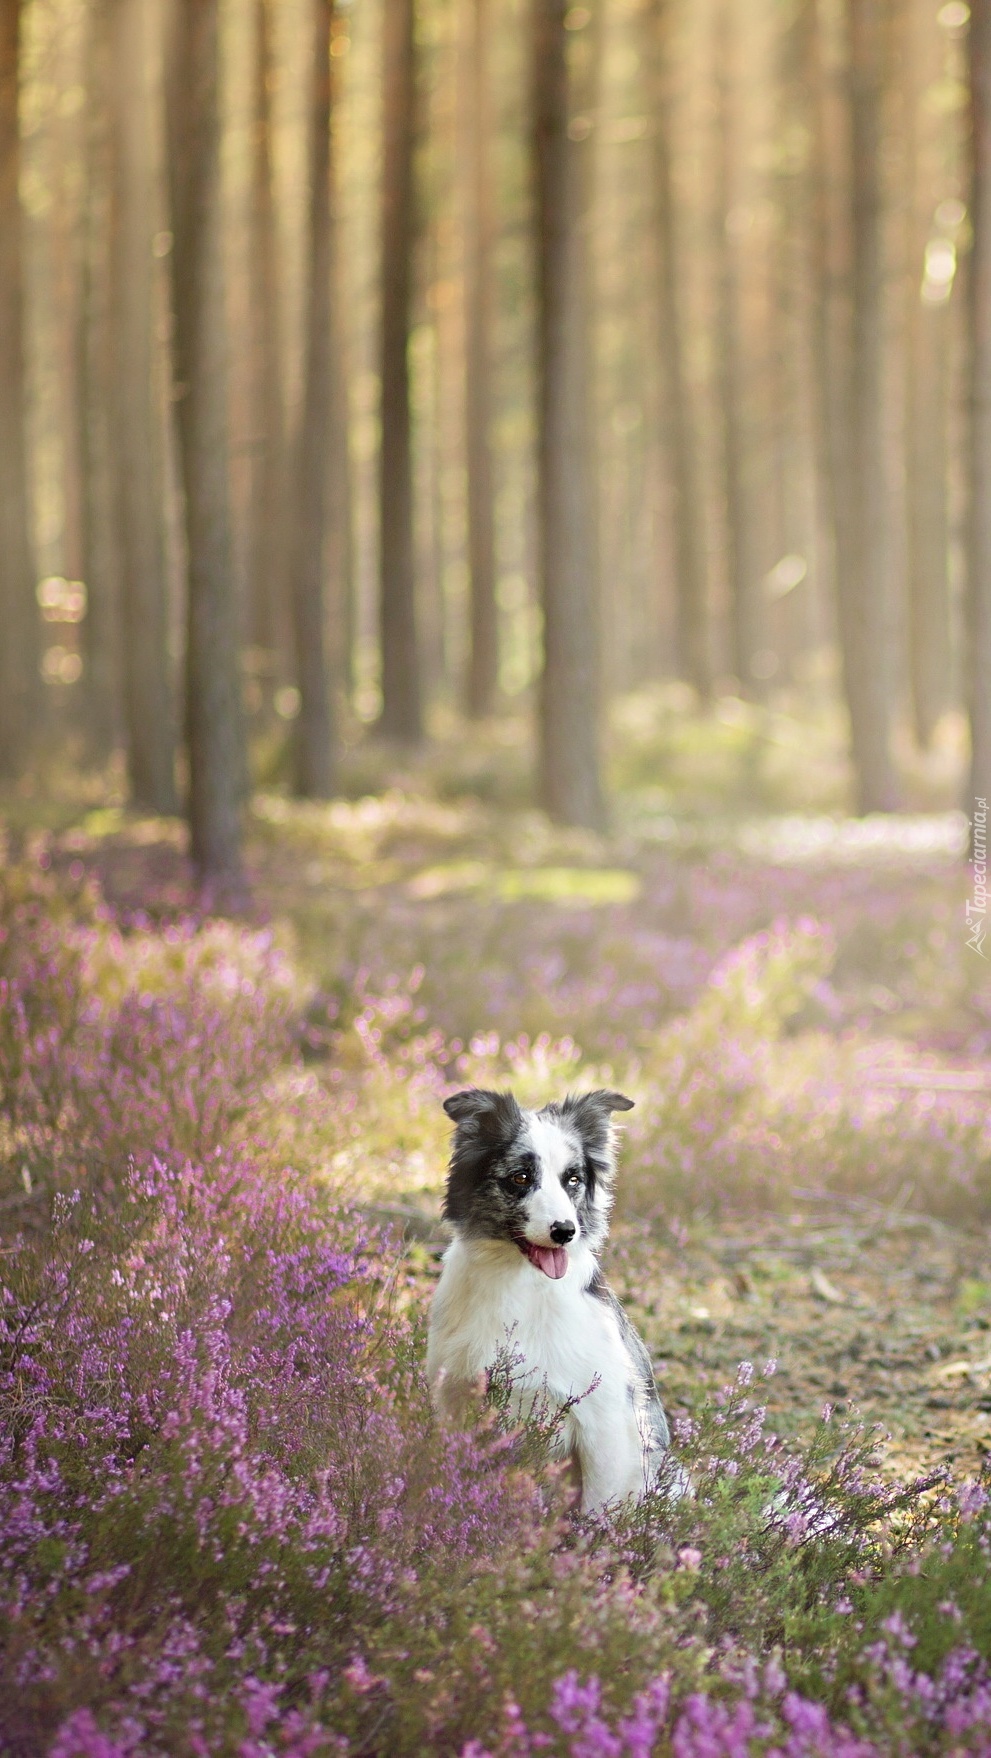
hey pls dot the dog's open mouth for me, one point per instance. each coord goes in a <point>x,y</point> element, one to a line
<point>552,1259</point>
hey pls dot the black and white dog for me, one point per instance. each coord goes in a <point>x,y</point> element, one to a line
<point>528,1199</point>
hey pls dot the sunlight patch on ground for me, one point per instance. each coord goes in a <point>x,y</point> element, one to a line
<point>818,839</point>
<point>562,885</point>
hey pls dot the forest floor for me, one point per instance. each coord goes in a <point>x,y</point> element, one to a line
<point>518,953</point>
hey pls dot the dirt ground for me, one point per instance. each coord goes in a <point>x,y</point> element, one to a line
<point>886,1317</point>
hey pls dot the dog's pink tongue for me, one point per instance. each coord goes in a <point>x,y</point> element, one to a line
<point>552,1259</point>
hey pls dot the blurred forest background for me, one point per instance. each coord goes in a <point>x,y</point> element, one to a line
<point>371,368</point>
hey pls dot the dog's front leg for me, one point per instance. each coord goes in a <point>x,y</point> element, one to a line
<point>457,1400</point>
<point>610,1454</point>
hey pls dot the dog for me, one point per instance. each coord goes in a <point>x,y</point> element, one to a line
<point>528,1199</point>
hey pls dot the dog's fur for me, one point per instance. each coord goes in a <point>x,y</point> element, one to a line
<point>528,1199</point>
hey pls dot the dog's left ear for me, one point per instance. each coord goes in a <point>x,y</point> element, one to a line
<point>608,1101</point>
<point>591,1113</point>
<point>601,1100</point>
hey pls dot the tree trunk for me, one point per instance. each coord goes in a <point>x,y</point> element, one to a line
<point>19,648</point>
<point>213,706</point>
<point>148,708</point>
<point>101,552</point>
<point>926,491</point>
<point>340,621</point>
<point>729,369</point>
<point>570,786</point>
<point>926,408</point>
<point>265,620</point>
<point>830,415</point>
<point>313,742</point>
<point>401,713</point>
<point>484,633</point>
<point>861,583</point>
<point>979,320</point>
<point>691,622</point>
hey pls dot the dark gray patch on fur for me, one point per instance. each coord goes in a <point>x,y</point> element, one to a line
<point>643,1387</point>
<point>487,1152</point>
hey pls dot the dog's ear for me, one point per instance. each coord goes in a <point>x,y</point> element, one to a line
<point>599,1103</point>
<point>608,1101</point>
<point>491,1114</point>
<point>591,1114</point>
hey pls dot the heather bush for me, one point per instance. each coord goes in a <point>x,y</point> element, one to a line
<point>228,1521</point>
<point>114,1048</point>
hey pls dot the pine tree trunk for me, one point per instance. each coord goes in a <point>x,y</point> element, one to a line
<point>744,638</point>
<point>313,740</point>
<point>691,622</point>
<point>101,684</point>
<point>979,316</point>
<point>148,708</point>
<point>484,651</point>
<point>926,408</point>
<point>926,490</point>
<point>401,712</point>
<point>19,647</point>
<point>267,534</point>
<point>570,785</point>
<point>214,724</point>
<point>861,584</point>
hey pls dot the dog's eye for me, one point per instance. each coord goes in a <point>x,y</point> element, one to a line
<point>571,1180</point>
<point>519,1180</point>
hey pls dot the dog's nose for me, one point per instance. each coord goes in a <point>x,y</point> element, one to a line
<point>562,1231</point>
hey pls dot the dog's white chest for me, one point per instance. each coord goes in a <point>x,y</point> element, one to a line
<point>491,1303</point>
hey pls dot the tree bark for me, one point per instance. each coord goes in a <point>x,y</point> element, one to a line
<point>401,716</point>
<point>926,491</point>
<point>313,740</point>
<point>101,684</point>
<point>148,707</point>
<point>740,569</point>
<point>215,735</point>
<point>926,409</point>
<point>265,619</point>
<point>19,648</point>
<point>570,786</point>
<point>691,622</point>
<point>484,632</point>
<point>978,644</point>
<point>861,582</point>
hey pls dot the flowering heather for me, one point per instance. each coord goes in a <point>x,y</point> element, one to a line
<point>228,1521</point>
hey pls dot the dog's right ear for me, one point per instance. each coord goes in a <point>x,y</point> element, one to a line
<point>491,1113</point>
<point>468,1103</point>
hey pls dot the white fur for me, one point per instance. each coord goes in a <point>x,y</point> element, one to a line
<point>491,1300</point>
<point>549,1202</point>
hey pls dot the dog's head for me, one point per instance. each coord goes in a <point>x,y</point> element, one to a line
<point>541,1179</point>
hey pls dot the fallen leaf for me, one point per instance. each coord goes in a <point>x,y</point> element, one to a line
<point>824,1289</point>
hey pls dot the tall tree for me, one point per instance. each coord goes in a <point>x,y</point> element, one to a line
<point>740,568</point>
<point>19,648</point>
<point>567,539</point>
<point>313,744</point>
<point>100,537</point>
<point>266,508</point>
<point>691,627</point>
<point>480,229</point>
<point>148,709</point>
<point>214,725</point>
<point>926,401</point>
<point>979,325</point>
<point>861,583</point>
<point>401,716</point>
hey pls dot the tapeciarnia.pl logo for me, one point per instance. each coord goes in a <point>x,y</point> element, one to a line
<point>977,906</point>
